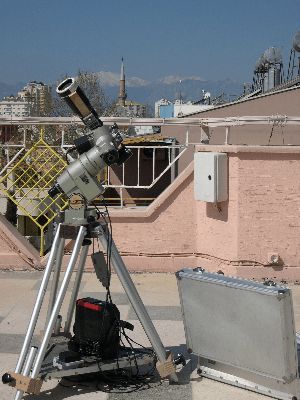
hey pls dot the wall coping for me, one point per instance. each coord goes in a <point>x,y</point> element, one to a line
<point>230,148</point>
<point>158,202</point>
<point>18,244</point>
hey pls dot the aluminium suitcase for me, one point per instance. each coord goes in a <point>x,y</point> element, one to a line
<point>242,331</point>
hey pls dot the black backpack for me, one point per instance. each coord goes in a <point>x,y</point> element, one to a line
<point>96,329</point>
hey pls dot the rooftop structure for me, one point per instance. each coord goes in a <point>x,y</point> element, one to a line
<point>38,96</point>
<point>128,108</point>
<point>172,109</point>
<point>14,107</point>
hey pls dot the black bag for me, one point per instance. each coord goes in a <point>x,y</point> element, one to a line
<point>96,328</point>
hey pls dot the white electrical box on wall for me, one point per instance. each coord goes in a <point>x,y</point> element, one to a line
<point>210,177</point>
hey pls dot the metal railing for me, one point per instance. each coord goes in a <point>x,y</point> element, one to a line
<point>185,121</point>
<point>25,181</point>
<point>14,149</point>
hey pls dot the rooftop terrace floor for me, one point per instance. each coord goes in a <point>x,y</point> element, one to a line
<point>159,293</point>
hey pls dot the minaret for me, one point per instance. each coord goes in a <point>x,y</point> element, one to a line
<point>122,93</point>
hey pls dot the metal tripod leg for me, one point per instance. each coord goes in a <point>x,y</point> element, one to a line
<point>62,292</point>
<point>56,275</point>
<point>57,305</point>
<point>135,300</point>
<point>27,369</point>
<point>80,268</point>
<point>38,303</point>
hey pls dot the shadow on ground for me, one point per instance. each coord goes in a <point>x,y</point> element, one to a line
<point>114,388</point>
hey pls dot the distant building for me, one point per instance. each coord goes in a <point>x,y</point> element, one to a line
<point>38,96</point>
<point>132,109</point>
<point>128,108</point>
<point>167,109</point>
<point>14,107</point>
<point>158,104</point>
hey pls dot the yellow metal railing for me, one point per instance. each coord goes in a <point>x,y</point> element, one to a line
<point>27,181</point>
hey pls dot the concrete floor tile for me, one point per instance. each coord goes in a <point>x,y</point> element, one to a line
<point>157,289</point>
<point>16,322</point>
<point>70,287</point>
<point>171,333</point>
<point>12,293</point>
<point>12,343</point>
<point>170,313</point>
<point>208,389</point>
<point>157,391</point>
<point>22,275</point>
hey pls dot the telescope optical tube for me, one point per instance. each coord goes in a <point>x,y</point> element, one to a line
<point>79,103</point>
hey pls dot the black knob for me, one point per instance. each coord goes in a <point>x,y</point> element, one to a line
<point>269,283</point>
<point>180,360</point>
<point>7,378</point>
<point>199,269</point>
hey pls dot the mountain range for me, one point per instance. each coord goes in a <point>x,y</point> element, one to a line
<point>172,87</point>
<point>189,88</point>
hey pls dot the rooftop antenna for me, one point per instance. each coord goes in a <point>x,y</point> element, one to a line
<point>180,95</point>
<point>296,46</point>
<point>294,49</point>
<point>268,69</point>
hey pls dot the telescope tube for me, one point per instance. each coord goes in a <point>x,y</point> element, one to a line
<point>79,103</point>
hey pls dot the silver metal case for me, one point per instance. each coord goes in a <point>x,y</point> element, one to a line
<point>243,331</point>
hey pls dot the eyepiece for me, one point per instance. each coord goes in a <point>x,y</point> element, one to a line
<point>78,102</point>
<point>66,87</point>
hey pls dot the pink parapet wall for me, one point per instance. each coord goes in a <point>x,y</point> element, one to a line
<point>260,218</point>
<point>15,251</point>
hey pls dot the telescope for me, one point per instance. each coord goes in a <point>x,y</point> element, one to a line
<point>101,147</point>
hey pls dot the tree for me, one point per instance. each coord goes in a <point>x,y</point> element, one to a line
<point>91,85</point>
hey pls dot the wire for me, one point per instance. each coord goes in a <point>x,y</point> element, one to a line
<point>131,379</point>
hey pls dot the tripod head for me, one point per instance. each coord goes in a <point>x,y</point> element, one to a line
<point>101,147</point>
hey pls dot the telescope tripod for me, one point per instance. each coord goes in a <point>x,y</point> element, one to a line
<point>36,364</point>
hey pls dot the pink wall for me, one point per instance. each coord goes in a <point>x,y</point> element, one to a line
<point>261,217</point>
<point>269,206</point>
<point>160,237</point>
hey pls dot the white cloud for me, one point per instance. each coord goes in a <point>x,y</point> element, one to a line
<point>168,80</point>
<point>112,79</point>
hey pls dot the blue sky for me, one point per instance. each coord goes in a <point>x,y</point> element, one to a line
<point>216,39</point>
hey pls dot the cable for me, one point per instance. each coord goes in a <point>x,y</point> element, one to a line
<point>130,379</point>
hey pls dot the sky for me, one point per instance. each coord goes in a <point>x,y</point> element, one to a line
<point>213,39</point>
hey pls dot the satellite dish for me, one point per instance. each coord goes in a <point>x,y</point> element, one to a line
<point>296,42</point>
<point>272,55</point>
